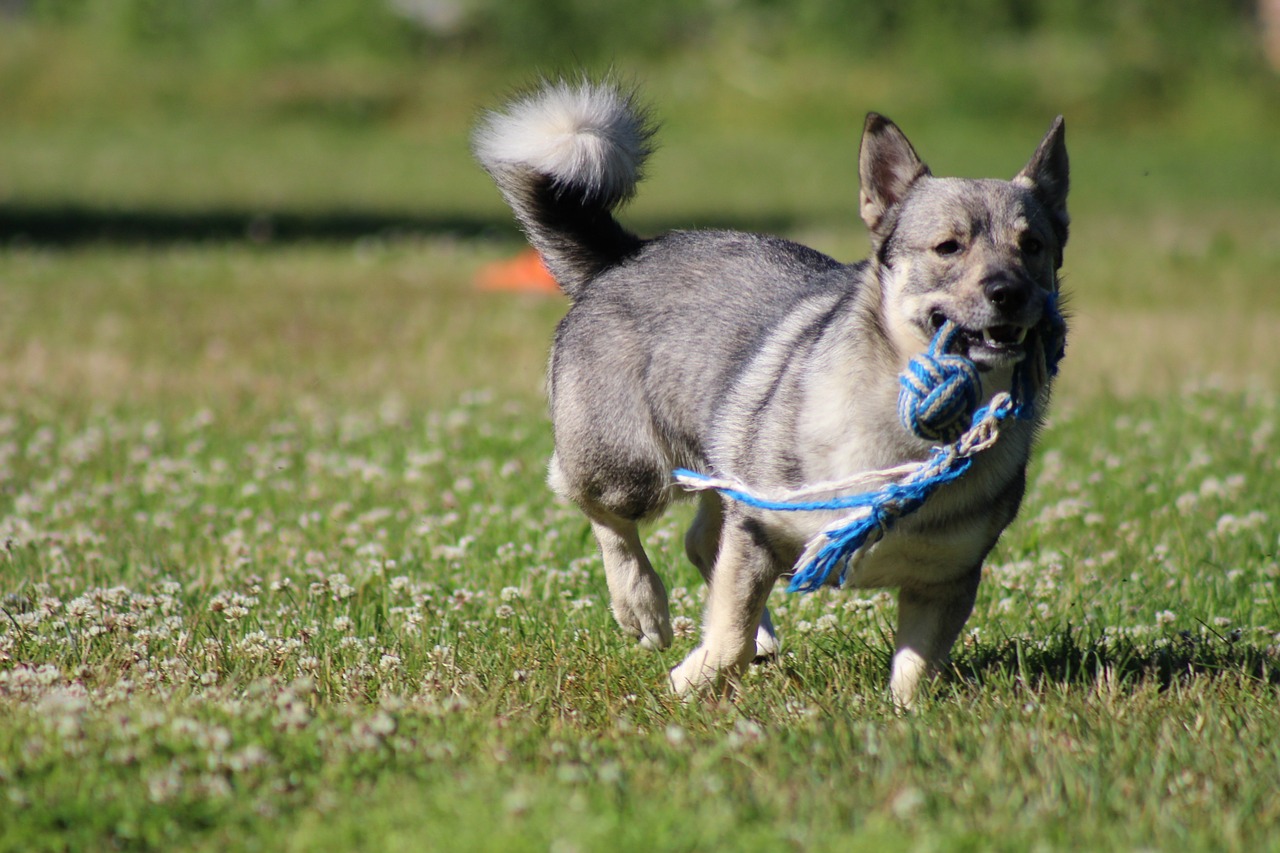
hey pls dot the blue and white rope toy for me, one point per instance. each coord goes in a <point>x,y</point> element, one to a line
<point>938,391</point>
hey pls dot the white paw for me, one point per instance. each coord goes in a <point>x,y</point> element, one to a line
<point>651,629</point>
<point>657,640</point>
<point>696,675</point>
<point>767,643</point>
<point>909,670</point>
<point>767,646</point>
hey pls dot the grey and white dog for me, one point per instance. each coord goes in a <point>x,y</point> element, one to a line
<point>764,361</point>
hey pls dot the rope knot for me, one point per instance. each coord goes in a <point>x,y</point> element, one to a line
<point>939,391</point>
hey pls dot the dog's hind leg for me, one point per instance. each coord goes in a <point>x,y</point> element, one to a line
<point>637,594</point>
<point>929,620</point>
<point>739,585</point>
<point>702,544</point>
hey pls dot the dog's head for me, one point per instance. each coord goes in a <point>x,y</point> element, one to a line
<point>984,254</point>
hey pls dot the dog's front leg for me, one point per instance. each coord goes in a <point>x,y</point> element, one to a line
<point>702,544</point>
<point>738,587</point>
<point>929,620</point>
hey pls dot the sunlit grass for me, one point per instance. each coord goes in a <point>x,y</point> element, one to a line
<point>280,569</point>
<point>258,329</point>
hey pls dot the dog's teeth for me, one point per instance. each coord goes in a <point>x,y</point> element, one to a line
<point>1018,336</point>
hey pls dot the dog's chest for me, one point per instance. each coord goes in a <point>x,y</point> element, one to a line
<point>942,540</point>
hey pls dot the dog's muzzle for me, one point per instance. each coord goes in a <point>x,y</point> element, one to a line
<point>996,345</point>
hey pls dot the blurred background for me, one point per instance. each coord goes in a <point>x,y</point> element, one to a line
<point>332,117</point>
<point>135,123</point>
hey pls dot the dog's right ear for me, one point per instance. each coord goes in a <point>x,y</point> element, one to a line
<point>887,167</point>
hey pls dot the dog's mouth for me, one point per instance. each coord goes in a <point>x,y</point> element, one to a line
<point>994,346</point>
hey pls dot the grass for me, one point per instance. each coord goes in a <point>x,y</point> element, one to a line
<point>278,576</point>
<point>280,570</point>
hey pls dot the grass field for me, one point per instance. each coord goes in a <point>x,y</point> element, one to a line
<point>280,571</point>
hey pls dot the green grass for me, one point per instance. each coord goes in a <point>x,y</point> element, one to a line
<point>280,570</point>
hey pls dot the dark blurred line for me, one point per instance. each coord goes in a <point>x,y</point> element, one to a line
<point>73,225</point>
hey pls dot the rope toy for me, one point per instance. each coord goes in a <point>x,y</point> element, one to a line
<point>939,391</point>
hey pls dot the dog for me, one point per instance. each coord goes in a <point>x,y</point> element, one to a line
<point>755,358</point>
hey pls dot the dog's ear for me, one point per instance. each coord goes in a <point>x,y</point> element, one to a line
<point>1047,175</point>
<point>887,167</point>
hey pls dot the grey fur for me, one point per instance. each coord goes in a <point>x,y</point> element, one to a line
<point>755,358</point>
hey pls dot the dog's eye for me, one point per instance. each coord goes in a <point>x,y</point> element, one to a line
<point>947,247</point>
<point>1032,246</point>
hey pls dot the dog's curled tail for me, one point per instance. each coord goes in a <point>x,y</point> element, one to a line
<point>564,158</point>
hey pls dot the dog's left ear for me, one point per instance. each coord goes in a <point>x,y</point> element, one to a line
<point>1047,175</point>
<point>887,167</point>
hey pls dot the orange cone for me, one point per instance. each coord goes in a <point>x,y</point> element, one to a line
<point>524,273</point>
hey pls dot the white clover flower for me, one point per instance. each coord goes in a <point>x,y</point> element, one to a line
<point>1166,617</point>
<point>80,608</point>
<point>505,611</point>
<point>1212,487</point>
<point>858,605</point>
<point>451,552</point>
<point>343,623</point>
<point>683,626</point>
<point>339,587</point>
<point>511,593</point>
<point>1230,525</point>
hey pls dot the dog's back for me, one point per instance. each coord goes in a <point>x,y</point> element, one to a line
<point>658,341</point>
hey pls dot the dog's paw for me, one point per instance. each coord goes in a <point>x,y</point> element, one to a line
<point>767,649</point>
<point>696,675</point>
<point>767,643</point>
<point>910,671</point>
<point>651,630</point>
<point>658,640</point>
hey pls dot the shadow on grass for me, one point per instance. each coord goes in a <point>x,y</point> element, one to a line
<point>1071,656</point>
<point>71,225</point>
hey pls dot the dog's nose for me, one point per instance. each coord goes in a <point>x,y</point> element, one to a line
<point>1007,295</point>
